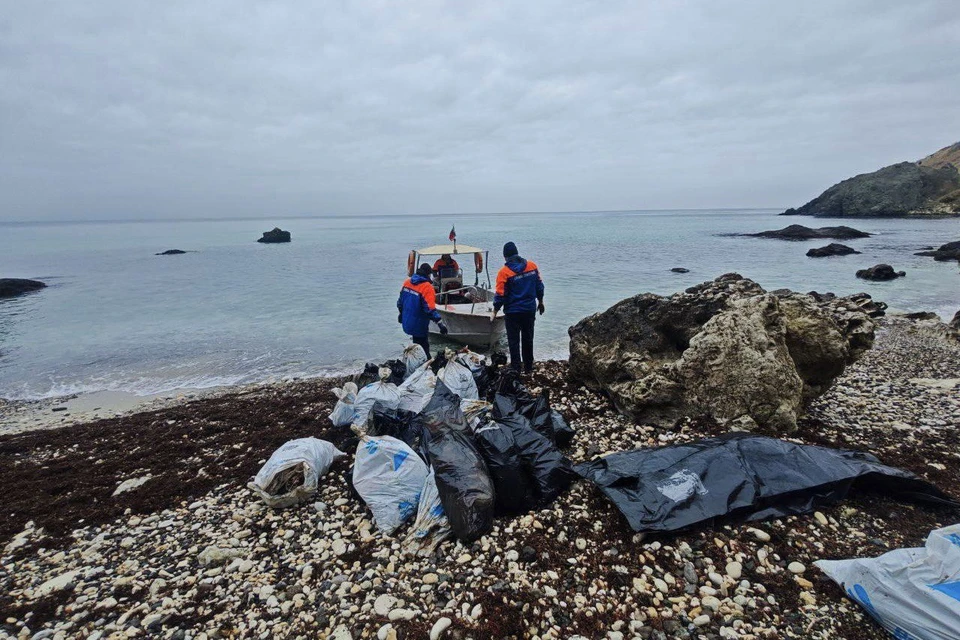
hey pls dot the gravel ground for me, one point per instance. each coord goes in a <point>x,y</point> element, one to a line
<point>192,554</point>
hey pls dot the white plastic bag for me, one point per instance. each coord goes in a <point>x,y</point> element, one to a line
<point>389,477</point>
<point>473,361</point>
<point>472,410</point>
<point>386,393</point>
<point>413,358</point>
<point>912,593</point>
<point>431,526</point>
<point>290,475</point>
<point>459,380</point>
<point>416,391</point>
<point>344,411</point>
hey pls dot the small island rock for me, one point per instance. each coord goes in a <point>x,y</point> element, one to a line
<point>800,232</point>
<point>10,287</point>
<point>946,252</point>
<point>880,272</point>
<point>275,235</point>
<point>680,270</point>
<point>170,252</point>
<point>832,249</point>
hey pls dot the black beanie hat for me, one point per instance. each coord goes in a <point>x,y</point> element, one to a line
<point>510,250</point>
<point>424,270</point>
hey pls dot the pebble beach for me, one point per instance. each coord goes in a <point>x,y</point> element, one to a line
<point>141,525</point>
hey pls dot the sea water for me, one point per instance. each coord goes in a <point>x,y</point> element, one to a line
<point>117,317</point>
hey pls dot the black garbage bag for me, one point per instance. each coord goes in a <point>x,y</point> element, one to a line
<point>511,478</point>
<point>537,410</point>
<point>481,376</point>
<point>463,482</point>
<point>398,423</point>
<point>550,471</point>
<point>398,370</point>
<point>439,361</point>
<point>742,476</point>
<point>371,373</point>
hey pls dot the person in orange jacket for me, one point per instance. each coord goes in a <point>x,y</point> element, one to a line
<point>448,265</point>
<point>520,294</point>
<point>417,306</point>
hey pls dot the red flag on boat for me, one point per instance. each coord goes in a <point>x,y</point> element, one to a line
<point>453,233</point>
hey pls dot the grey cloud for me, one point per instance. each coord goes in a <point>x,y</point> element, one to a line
<point>177,109</point>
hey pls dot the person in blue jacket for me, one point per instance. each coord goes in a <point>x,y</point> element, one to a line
<point>519,293</point>
<point>417,305</point>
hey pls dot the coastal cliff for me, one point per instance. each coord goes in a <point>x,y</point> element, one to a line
<point>929,187</point>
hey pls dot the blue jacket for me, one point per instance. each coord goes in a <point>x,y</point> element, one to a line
<point>417,305</point>
<point>519,286</point>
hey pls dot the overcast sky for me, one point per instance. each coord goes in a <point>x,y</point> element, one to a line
<point>174,109</point>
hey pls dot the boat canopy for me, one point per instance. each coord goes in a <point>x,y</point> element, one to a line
<point>452,249</point>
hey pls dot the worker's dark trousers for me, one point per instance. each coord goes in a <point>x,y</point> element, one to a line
<point>520,336</point>
<point>423,341</point>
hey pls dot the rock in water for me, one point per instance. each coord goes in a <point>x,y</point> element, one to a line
<point>928,187</point>
<point>832,249</point>
<point>275,235</point>
<point>680,270</point>
<point>800,232</point>
<point>10,287</point>
<point>170,252</point>
<point>949,251</point>
<point>922,316</point>
<point>880,272</point>
<point>725,348</point>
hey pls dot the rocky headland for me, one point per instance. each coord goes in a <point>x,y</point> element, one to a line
<point>929,187</point>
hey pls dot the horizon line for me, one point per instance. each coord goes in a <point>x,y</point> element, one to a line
<point>374,215</point>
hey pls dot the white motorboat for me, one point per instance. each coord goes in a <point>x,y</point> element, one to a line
<point>466,309</point>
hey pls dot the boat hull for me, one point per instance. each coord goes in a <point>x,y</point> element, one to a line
<point>472,325</point>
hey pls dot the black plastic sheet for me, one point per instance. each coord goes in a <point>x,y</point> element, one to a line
<point>742,476</point>
<point>463,482</point>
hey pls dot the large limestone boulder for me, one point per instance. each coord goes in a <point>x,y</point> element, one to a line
<point>725,348</point>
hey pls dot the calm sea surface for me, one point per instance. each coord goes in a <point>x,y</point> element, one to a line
<point>117,317</point>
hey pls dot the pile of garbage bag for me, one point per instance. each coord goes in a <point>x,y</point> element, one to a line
<point>912,593</point>
<point>448,444</point>
<point>451,445</point>
<point>742,476</point>
<point>291,474</point>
